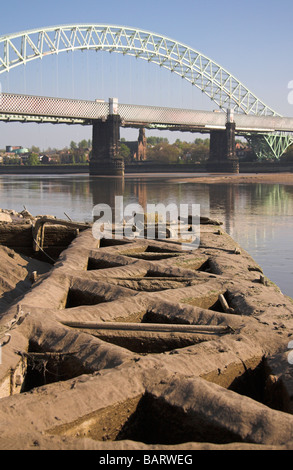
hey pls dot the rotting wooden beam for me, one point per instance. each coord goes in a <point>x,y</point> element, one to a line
<point>156,327</point>
<point>38,229</point>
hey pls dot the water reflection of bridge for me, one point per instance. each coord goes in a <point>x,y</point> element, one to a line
<point>224,201</point>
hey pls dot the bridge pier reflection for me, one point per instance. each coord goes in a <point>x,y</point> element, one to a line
<point>104,191</point>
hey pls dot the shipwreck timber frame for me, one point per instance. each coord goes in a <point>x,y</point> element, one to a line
<point>158,340</point>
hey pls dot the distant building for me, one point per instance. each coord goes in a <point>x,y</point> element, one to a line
<point>244,152</point>
<point>16,150</point>
<point>49,159</point>
<point>138,148</point>
<point>10,149</point>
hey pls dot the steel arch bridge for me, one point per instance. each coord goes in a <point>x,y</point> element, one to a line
<point>212,79</point>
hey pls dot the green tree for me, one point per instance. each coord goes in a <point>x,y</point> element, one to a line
<point>288,155</point>
<point>157,140</point>
<point>33,159</point>
<point>125,152</point>
<point>83,158</point>
<point>73,145</point>
<point>35,149</point>
<point>164,153</point>
<point>83,144</point>
<point>12,160</point>
<point>71,158</point>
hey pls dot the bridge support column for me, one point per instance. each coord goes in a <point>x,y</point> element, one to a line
<point>223,158</point>
<point>106,160</point>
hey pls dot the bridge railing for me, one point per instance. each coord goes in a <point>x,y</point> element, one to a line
<point>161,115</point>
<point>85,111</point>
<point>55,107</point>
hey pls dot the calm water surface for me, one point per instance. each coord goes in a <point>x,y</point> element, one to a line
<point>258,216</point>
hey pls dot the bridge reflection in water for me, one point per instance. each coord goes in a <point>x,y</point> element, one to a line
<point>258,216</point>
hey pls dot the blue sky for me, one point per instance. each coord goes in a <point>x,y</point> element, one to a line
<point>251,39</point>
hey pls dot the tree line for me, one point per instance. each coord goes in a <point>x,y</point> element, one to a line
<point>78,152</point>
<point>159,149</point>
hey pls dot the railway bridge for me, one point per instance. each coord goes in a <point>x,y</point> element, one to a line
<point>240,111</point>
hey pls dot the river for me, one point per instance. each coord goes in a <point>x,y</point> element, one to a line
<point>258,216</point>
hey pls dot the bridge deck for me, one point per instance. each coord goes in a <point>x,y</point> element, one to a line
<point>25,108</point>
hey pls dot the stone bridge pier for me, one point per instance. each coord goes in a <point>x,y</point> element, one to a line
<point>223,158</point>
<point>106,160</point>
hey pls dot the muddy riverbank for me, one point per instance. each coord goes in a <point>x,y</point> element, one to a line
<point>138,344</point>
<point>272,178</point>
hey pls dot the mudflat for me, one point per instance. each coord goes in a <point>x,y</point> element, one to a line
<point>216,178</point>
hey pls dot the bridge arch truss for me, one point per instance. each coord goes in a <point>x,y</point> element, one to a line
<point>212,79</point>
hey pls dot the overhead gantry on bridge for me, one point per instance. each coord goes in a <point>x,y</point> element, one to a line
<point>212,79</point>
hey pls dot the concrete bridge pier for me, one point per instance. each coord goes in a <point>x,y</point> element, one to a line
<point>106,160</point>
<point>223,158</point>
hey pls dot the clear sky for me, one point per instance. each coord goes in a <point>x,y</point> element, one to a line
<point>251,39</point>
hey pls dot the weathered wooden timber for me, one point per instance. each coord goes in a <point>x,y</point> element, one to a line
<point>139,344</point>
<point>47,236</point>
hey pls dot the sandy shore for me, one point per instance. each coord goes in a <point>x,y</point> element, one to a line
<point>270,178</point>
